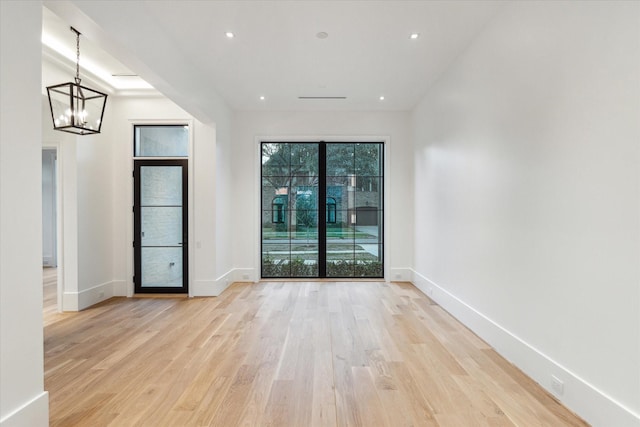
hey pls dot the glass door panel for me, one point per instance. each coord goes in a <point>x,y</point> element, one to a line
<point>160,226</point>
<point>289,210</point>
<point>354,180</point>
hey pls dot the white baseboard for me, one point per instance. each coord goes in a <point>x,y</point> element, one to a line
<point>208,288</point>
<point>400,275</point>
<point>213,288</point>
<point>33,414</point>
<point>76,301</point>
<point>244,275</point>
<point>584,399</point>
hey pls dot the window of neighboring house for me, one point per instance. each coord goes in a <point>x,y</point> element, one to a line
<point>277,210</point>
<point>331,210</point>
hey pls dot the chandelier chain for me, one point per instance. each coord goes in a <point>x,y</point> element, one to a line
<point>77,55</point>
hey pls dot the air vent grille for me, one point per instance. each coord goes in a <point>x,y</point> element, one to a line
<point>322,97</point>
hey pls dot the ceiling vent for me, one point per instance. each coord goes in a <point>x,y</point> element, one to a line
<point>322,97</point>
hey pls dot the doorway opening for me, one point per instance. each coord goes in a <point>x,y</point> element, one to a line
<point>160,209</point>
<point>51,230</point>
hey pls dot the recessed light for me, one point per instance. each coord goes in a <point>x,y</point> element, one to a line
<point>381,98</point>
<point>229,35</point>
<point>262,98</point>
<point>414,36</point>
<point>322,35</point>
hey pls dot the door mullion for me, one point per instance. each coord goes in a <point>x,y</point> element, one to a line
<point>137,244</point>
<point>322,210</point>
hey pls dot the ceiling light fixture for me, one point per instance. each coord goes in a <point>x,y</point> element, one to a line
<point>322,35</point>
<point>75,108</point>
<point>414,36</point>
<point>262,98</point>
<point>229,35</point>
<point>381,98</point>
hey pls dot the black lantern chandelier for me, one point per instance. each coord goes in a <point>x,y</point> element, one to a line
<point>76,108</point>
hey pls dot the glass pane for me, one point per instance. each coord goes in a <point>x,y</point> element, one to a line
<point>340,259</point>
<point>368,260</point>
<point>306,197</point>
<point>339,231</point>
<point>340,159</point>
<point>161,267</point>
<point>290,210</point>
<point>368,159</point>
<point>367,234</point>
<point>273,190</point>
<point>161,185</point>
<point>275,159</point>
<point>304,260</point>
<point>366,252</point>
<point>304,159</point>
<point>340,189</point>
<point>161,141</point>
<point>275,230</point>
<point>340,251</point>
<point>304,182</point>
<point>161,226</point>
<point>301,232</point>
<point>276,259</point>
<point>367,192</point>
<point>368,269</point>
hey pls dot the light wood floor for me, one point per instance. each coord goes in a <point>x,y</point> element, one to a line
<point>284,354</point>
<point>50,295</point>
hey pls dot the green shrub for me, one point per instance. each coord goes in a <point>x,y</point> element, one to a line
<point>339,268</point>
<point>354,269</point>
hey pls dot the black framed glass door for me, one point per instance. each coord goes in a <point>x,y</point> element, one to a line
<point>322,210</point>
<point>160,226</point>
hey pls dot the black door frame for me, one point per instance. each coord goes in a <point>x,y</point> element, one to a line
<point>137,220</point>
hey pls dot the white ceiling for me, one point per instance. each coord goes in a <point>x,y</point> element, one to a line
<point>59,47</point>
<point>181,48</point>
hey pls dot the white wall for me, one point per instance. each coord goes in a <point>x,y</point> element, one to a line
<point>527,197</point>
<point>95,205</point>
<point>23,401</point>
<point>247,126</point>
<point>225,198</point>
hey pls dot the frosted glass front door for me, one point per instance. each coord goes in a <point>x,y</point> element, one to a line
<point>160,223</point>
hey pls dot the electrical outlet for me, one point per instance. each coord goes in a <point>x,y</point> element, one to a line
<point>101,294</point>
<point>557,385</point>
<point>430,292</point>
<point>398,276</point>
<point>245,277</point>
